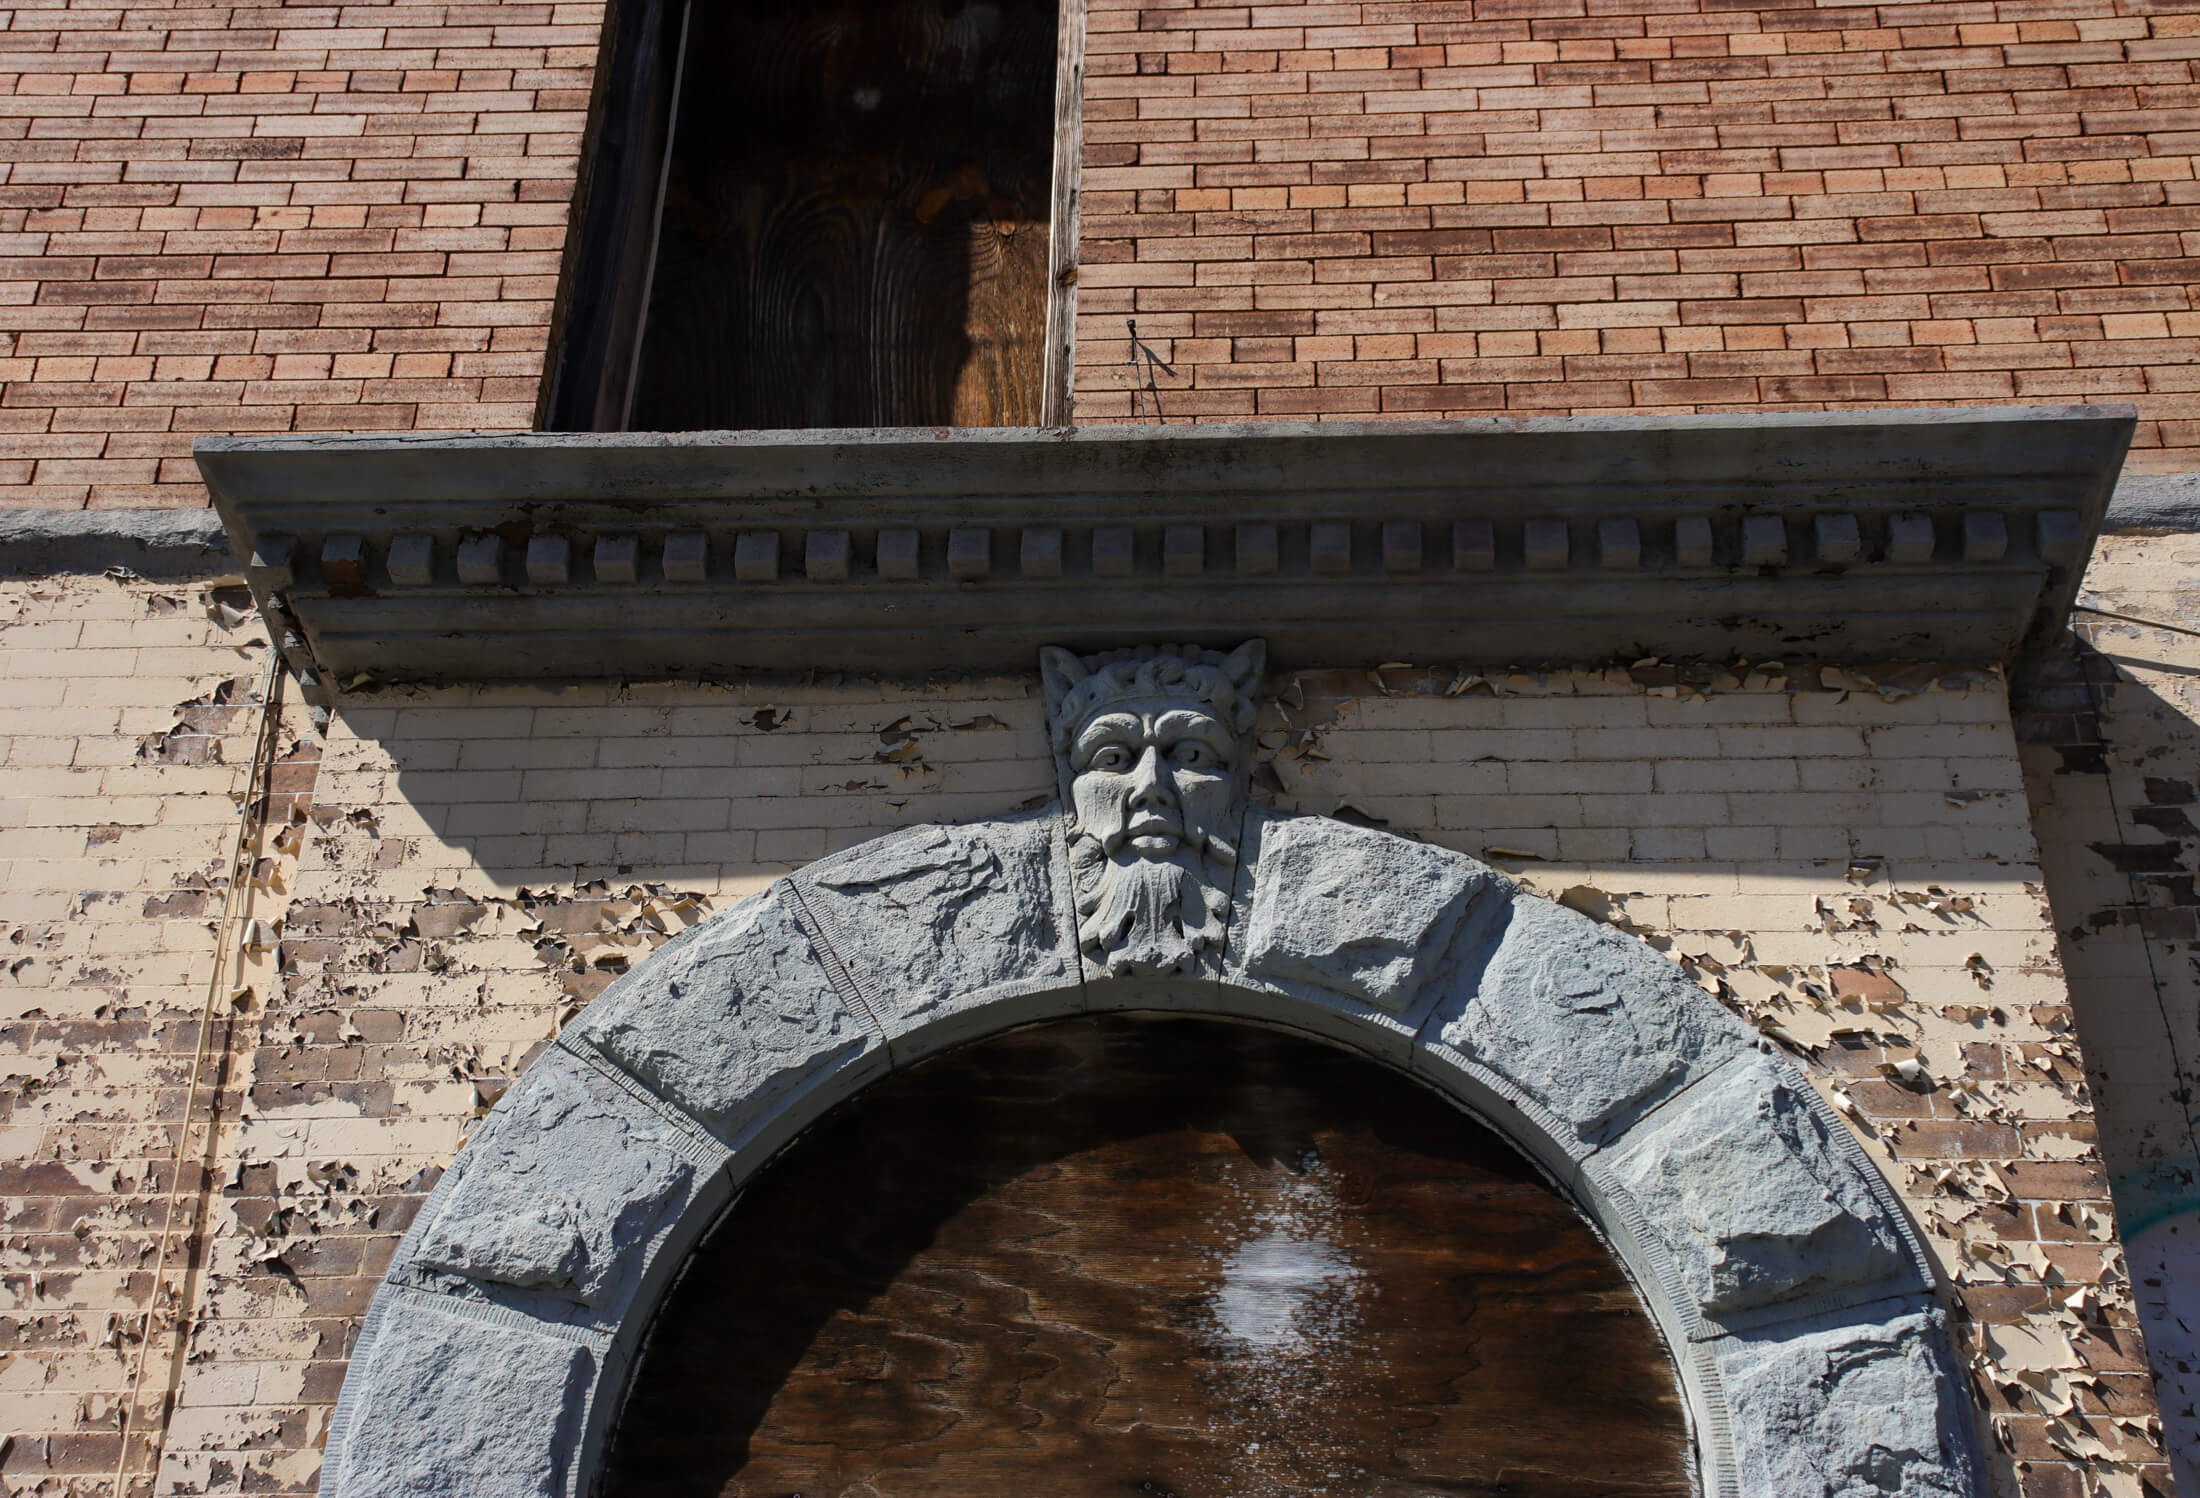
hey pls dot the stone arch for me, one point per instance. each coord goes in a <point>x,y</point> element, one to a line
<point>1795,1296</point>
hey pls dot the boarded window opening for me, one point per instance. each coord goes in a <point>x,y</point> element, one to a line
<point>827,213</point>
<point>1184,1259</point>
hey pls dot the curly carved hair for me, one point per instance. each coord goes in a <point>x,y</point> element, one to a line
<point>1076,686</point>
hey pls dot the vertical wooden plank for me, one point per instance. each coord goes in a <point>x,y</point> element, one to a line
<point>1118,1256</point>
<point>1069,131</point>
<point>855,228</point>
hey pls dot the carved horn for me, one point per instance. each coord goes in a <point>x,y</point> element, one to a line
<point>1059,670</point>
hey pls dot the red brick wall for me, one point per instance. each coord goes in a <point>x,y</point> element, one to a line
<point>1530,207</point>
<point>309,217</point>
<point>220,218</point>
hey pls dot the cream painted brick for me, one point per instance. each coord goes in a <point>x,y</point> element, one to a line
<point>697,751</point>
<point>39,634</point>
<point>532,754</point>
<point>449,723</point>
<point>1662,809</point>
<point>1942,740</point>
<point>658,814</point>
<point>1726,775</point>
<point>1609,713</point>
<point>1735,843</point>
<point>52,811</point>
<point>1466,813</point>
<point>1645,743</point>
<point>593,722</point>
<point>410,756</point>
<point>1868,709</point>
<point>1474,777</point>
<point>1496,743</point>
<point>1608,776</point>
<point>509,818</point>
<point>734,846</point>
<point>1724,707</point>
<point>1748,741</point>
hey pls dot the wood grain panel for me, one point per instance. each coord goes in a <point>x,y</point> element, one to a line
<point>1163,1257</point>
<point>855,222</point>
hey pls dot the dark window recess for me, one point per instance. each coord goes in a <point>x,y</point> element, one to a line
<point>1182,1259</point>
<point>851,229</point>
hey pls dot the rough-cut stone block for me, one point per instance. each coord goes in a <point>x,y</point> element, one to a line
<point>618,559</point>
<point>1257,550</point>
<point>1753,1184</point>
<point>1910,539</point>
<point>1764,541</point>
<point>1838,538</point>
<point>732,1019</point>
<point>897,555</point>
<point>1312,922</point>
<point>1401,546</point>
<point>564,1190</point>
<point>1473,545</point>
<point>2061,536</point>
<point>1587,1021</point>
<point>481,559</point>
<point>549,560</point>
<point>1113,551</point>
<point>1545,544</point>
<point>1183,550</point>
<point>756,557</point>
<point>1619,544</point>
<point>1693,545</point>
<point>273,563</point>
<point>454,1406</point>
<point>825,556</point>
<point>926,920</point>
<point>969,551</point>
<point>1836,1407</point>
<point>344,562</point>
<point>1985,535</point>
<point>1329,547</point>
<point>1041,551</point>
<point>411,561</point>
<point>687,557</point>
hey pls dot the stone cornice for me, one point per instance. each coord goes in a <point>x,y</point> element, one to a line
<point>1953,535</point>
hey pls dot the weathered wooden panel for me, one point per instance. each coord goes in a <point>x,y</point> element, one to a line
<point>855,220</point>
<point>1171,1258</point>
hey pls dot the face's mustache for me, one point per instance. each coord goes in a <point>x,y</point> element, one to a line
<point>1146,824</point>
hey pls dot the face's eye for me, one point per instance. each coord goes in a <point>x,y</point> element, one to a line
<point>1191,754</point>
<point>1112,757</point>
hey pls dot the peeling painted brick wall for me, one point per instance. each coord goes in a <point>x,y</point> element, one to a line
<point>1846,858</point>
<point>129,713</point>
<point>2112,757</point>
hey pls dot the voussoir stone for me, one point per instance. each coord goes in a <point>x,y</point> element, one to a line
<point>459,1407</point>
<point>1353,911</point>
<point>733,1019</point>
<point>1851,1407</point>
<point>934,919</point>
<point>1589,1023</point>
<point>1750,1182</point>
<point>563,1190</point>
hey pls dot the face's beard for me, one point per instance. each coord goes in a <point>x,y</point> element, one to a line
<point>1151,915</point>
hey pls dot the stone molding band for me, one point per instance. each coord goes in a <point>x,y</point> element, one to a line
<point>1799,1305</point>
<point>1953,536</point>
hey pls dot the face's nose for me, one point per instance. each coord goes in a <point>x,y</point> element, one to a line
<point>1151,789</point>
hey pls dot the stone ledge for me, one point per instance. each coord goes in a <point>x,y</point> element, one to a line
<point>1950,535</point>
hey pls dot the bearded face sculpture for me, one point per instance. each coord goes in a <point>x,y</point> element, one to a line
<point>1154,749</point>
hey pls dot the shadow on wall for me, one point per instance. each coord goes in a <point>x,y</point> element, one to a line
<point>2113,768</point>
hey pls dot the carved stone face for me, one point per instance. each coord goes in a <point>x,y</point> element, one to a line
<point>1153,748</point>
<point>1149,776</point>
